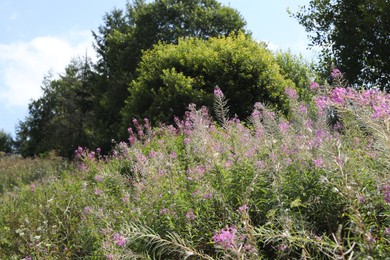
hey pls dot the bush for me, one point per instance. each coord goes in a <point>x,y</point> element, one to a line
<point>172,76</point>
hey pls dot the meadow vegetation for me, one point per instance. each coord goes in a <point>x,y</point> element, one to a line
<point>313,185</point>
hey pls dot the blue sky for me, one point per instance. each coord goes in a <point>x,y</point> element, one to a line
<point>43,35</point>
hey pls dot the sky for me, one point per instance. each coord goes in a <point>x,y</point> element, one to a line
<point>42,36</point>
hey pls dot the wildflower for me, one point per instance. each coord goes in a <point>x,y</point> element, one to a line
<point>32,187</point>
<point>119,239</point>
<point>87,210</point>
<point>314,86</point>
<point>302,109</point>
<point>173,155</point>
<point>387,231</point>
<point>125,199</point>
<point>282,247</point>
<point>338,95</point>
<point>291,93</point>
<point>98,178</point>
<point>91,155</point>
<point>79,152</point>
<point>243,208</point>
<point>98,150</point>
<point>321,103</point>
<point>283,127</point>
<point>152,154</point>
<point>208,195</point>
<point>98,192</point>
<point>218,92</point>
<point>386,190</point>
<point>336,73</point>
<point>110,256</point>
<point>190,215</point>
<point>186,141</point>
<point>225,237</point>
<point>318,163</point>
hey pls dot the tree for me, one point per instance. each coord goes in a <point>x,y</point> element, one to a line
<point>298,70</point>
<point>6,142</point>
<point>62,118</point>
<point>171,76</point>
<point>354,35</point>
<point>126,34</point>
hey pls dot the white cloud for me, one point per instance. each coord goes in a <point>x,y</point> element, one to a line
<point>24,64</point>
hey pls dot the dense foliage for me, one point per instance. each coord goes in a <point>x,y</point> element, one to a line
<point>354,35</point>
<point>6,142</point>
<point>61,118</point>
<point>125,34</point>
<point>171,76</point>
<point>268,188</point>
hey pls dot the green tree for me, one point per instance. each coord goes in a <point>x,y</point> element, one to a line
<point>126,34</point>
<point>62,118</point>
<point>171,76</point>
<point>295,68</point>
<point>354,35</point>
<point>6,142</point>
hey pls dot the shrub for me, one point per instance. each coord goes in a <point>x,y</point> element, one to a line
<point>172,76</point>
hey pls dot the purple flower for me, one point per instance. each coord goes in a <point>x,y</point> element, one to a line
<point>338,95</point>
<point>303,109</point>
<point>321,103</point>
<point>387,231</point>
<point>314,86</point>
<point>291,93</point>
<point>243,208</point>
<point>98,178</point>
<point>87,210</point>
<point>386,191</point>
<point>173,155</point>
<point>186,141</point>
<point>318,163</point>
<point>119,239</point>
<point>225,237</point>
<point>190,215</point>
<point>98,192</point>
<point>110,256</point>
<point>218,92</point>
<point>283,127</point>
<point>282,247</point>
<point>152,154</point>
<point>336,73</point>
<point>32,187</point>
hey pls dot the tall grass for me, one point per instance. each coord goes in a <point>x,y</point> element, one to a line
<point>266,188</point>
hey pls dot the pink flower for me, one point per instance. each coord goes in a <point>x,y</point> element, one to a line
<point>186,141</point>
<point>119,239</point>
<point>110,256</point>
<point>338,95</point>
<point>291,93</point>
<point>386,191</point>
<point>225,237</point>
<point>98,192</point>
<point>98,178</point>
<point>336,73</point>
<point>218,92</point>
<point>314,86</point>
<point>190,215</point>
<point>318,163</point>
<point>283,127</point>
<point>32,187</point>
<point>87,210</point>
<point>243,208</point>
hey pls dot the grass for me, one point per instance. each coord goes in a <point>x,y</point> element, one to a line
<point>266,188</point>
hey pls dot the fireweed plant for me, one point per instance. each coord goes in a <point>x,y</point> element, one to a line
<point>268,188</point>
